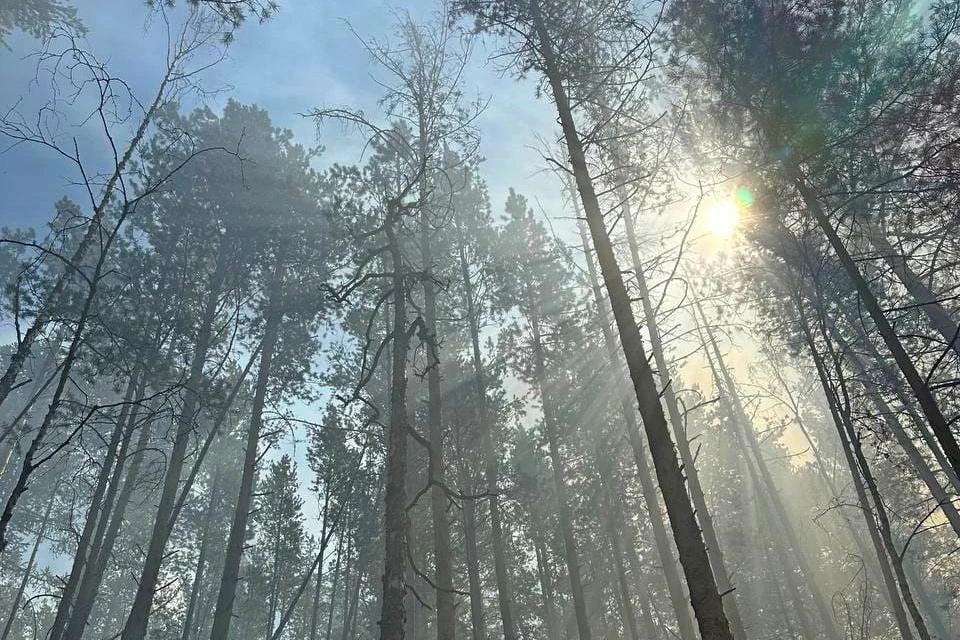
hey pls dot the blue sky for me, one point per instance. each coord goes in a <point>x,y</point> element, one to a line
<point>304,57</point>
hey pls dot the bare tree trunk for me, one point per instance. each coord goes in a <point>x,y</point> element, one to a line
<point>922,426</point>
<point>627,612</point>
<point>917,461</point>
<point>135,627</point>
<point>30,461</point>
<point>393,616</point>
<point>504,593</point>
<point>714,549</point>
<point>551,427</point>
<point>477,623</point>
<point>876,563</point>
<point>704,595</point>
<point>100,556</point>
<point>187,631</point>
<point>545,577</point>
<point>648,489</point>
<point>922,391</point>
<point>223,613</point>
<point>443,560</point>
<point>97,512</point>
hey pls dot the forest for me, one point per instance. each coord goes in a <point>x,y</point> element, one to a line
<point>479,319</point>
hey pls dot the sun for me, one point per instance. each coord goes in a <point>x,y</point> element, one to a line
<point>723,217</point>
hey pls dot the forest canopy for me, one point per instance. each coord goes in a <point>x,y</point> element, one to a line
<point>476,319</point>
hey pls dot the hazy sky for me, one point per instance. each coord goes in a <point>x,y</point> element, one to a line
<point>304,57</point>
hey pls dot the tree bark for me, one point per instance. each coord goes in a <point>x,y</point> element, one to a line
<point>882,550</point>
<point>187,631</point>
<point>393,615</point>
<point>853,453</point>
<point>671,575</point>
<point>923,295</point>
<point>135,627</point>
<point>96,512</point>
<point>491,470</point>
<point>551,428</point>
<point>223,612</point>
<point>765,480</point>
<point>443,560</point>
<point>704,595</point>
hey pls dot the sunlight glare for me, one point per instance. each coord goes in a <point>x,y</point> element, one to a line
<point>723,217</point>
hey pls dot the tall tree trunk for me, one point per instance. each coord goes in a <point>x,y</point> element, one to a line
<point>100,556</point>
<point>851,443</point>
<point>714,549</point>
<point>922,391</point>
<point>30,462</point>
<point>198,574</point>
<point>97,511</point>
<point>135,627</point>
<point>858,478</point>
<point>627,612</point>
<point>876,563</point>
<point>917,461</point>
<point>477,623</point>
<point>392,616</point>
<point>99,507</point>
<point>545,577</point>
<point>765,482</point>
<point>223,612</point>
<point>671,575</point>
<point>443,560</point>
<point>552,427</point>
<point>491,471</point>
<point>31,560</point>
<point>704,595</point>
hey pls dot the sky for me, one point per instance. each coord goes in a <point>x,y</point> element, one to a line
<point>304,57</point>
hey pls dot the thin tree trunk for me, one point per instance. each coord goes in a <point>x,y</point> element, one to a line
<point>922,391</point>
<point>477,623</point>
<point>93,577</point>
<point>135,627</point>
<point>552,427</point>
<point>504,593</point>
<point>29,465</point>
<point>876,563</point>
<point>714,549</point>
<point>97,511</point>
<point>626,602</point>
<point>923,295</point>
<point>671,575</point>
<point>545,578</point>
<point>393,616</point>
<point>223,611</point>
<point>858,477</point>
<point>187,631</point>
<point>916,459</point>
<point>765,480</point>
